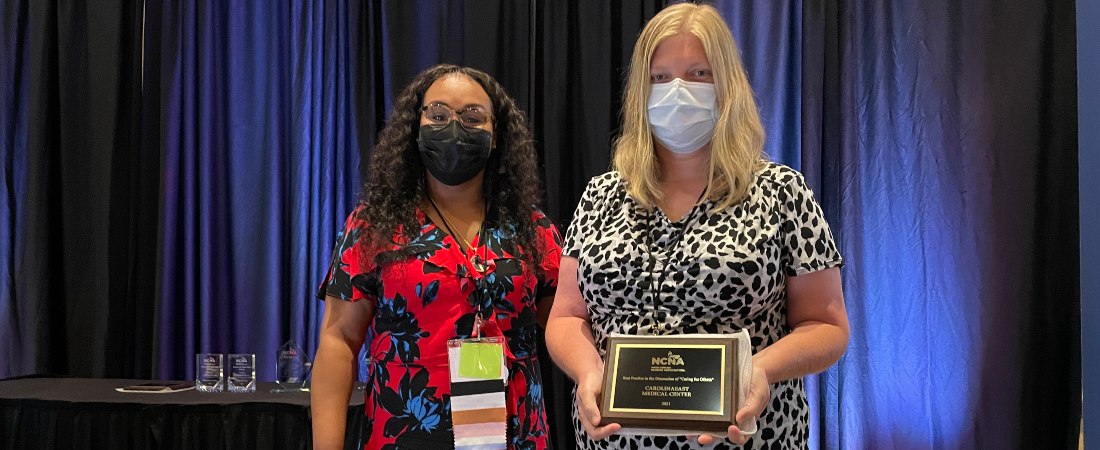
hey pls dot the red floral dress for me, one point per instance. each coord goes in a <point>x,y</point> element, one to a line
<point>428,296</point>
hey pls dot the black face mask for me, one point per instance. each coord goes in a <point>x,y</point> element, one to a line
<point>454,154</point>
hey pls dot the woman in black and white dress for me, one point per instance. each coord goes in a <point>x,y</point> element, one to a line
<point>695,232</point>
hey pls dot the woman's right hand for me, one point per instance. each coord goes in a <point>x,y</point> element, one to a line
<point>589,389</point>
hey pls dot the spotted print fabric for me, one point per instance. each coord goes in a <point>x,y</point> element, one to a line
<point>709,272</point>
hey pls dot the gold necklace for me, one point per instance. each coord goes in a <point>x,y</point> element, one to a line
<point>462,241</point>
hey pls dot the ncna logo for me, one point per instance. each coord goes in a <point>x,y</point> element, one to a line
<point>671,360</point>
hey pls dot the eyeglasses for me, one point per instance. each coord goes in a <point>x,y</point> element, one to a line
<point>471,116</point>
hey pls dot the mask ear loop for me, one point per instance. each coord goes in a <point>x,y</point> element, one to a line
<point>500,160</point>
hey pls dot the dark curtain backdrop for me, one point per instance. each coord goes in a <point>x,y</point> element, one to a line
<point>80,194</point>
<point>942,139</point>
<point>176,188</point>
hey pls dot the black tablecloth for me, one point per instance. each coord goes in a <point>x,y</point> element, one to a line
<point>81,413</point>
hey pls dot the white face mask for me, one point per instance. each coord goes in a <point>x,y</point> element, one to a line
<point>682,114</point>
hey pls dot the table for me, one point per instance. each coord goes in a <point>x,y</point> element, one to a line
<point>83,413</point>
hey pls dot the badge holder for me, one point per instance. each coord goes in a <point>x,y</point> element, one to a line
<point>479,373</point>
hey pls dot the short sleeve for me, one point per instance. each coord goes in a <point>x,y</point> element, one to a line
<point>585,217</point>
<point>549,242</point>
<point>350,277</point>
<point>808,244</point>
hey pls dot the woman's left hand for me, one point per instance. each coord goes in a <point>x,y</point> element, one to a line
<point>759,395</point>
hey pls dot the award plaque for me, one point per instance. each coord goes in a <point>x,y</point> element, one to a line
<point>209,374</point>
<point>242,372</point>
<point>671,383</point>
<point>291,368</point>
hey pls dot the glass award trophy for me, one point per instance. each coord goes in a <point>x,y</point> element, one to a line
<point>242,372</point>
<point>209,374</point>
<point>292,368</point>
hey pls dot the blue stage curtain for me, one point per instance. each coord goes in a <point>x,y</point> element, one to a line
<point>941,138</point>
<point>769,35</point>
<point>260,167</point>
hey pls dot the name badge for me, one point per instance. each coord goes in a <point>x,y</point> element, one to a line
<point>478,410</point>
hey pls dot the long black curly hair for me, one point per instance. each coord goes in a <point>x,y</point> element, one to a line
<point>396,182</point>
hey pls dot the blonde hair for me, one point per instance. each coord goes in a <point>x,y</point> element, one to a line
<point>736,149</point>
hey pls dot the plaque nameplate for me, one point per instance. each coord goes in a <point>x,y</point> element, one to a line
<point>671,383</point>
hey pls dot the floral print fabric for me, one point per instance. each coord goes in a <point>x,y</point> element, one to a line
<point>429,295</point>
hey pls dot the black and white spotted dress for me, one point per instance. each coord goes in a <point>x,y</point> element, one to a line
<point>728,271</point>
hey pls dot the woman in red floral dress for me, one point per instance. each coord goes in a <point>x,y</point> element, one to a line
<point>448,228</point>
